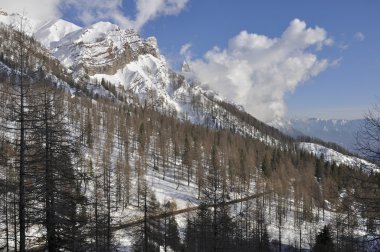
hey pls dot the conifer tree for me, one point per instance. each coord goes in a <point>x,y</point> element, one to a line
<point>324,241</point>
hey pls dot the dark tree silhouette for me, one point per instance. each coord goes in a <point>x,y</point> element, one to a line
<point>324,241</point>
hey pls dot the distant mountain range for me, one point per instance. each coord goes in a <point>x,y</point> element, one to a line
<point>342,132</point>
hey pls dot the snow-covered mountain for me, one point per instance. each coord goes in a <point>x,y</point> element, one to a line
<point>101,48</point>
<point>104,52</point>
<point>45,31</point>
<point>104,59</point>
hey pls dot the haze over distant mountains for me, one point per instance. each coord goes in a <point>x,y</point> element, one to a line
<point>342,132</point>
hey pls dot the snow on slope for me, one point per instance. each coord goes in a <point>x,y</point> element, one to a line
<point>53,31</point>
<point>45,31</point>
<point>148,77</point>
<point>4,68</point>
<point>334,156</point>
<point>13,19</point>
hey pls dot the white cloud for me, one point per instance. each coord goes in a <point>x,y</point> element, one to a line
<point>150,9</point>
<point>359,36</point>
<point>185,50</point>
<point>90,11</point>
<point>335,63</point>
<point>256,71</point>
<point>344,46</point>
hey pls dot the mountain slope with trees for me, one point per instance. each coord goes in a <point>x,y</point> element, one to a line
<point>79,159</point>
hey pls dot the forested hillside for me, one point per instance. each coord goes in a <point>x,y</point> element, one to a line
<point>93,171</point>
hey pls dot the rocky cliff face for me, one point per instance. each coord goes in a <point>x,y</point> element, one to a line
<point>102,48</point>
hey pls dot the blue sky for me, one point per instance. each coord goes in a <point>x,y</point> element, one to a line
<point>277,58</point>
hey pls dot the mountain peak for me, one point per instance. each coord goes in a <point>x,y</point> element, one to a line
<point>185,68</point>
<point>53,31</point>
<point>46,31</point>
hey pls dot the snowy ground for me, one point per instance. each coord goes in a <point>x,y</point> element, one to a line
<point>334,156</point>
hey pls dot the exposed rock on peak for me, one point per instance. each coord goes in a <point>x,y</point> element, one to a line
<point>102,48</point>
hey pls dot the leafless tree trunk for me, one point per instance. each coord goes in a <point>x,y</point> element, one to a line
<point>368,138</point>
